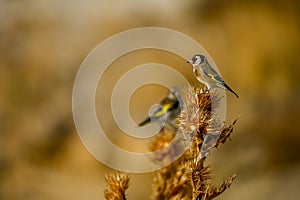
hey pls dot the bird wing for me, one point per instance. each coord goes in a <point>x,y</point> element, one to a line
<point>156,114</point>
<point>212,74</point>
<point>162,110</point>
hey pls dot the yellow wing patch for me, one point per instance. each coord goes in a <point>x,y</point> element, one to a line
<point>164,110</point>
<point>213,77</point>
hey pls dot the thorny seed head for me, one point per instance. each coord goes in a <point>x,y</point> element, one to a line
<point>169,147</point>
<point>117,184</point>
<point>188,177</point>
<point>196,113</point>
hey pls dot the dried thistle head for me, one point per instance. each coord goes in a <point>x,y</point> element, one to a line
<point>206,131</point>
<point>162,141</point>
<point>117,184</point>
<point>170,182</point>
<point>196,112</point>
<point>189,118</point>
<point>188,177</point>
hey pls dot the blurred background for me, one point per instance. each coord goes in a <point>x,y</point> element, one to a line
<point>42,44</point>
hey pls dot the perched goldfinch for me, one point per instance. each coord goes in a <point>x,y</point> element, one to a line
<point>206,74</point>
<point>169,109</point>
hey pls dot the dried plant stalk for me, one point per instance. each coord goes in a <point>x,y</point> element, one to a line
<point>189,173</point>
<point>188,177</point>
<point>170,182</point>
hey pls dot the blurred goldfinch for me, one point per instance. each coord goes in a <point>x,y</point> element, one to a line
<point>207,75</point>
<point>169,109</point>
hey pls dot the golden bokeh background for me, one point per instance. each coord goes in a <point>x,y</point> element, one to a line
<point>42,44</point>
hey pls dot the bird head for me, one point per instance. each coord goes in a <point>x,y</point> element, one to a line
<point>174,93</point>
<point>197,60</point>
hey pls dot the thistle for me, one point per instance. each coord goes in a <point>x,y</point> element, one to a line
<point>117,184</point>
<point>189,177</point>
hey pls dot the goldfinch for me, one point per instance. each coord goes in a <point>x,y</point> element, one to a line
<point>205,74</point>
<point>169,109</point>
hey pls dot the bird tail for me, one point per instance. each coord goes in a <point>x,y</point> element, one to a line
<point>146,121</point>
<point>228,88</point>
